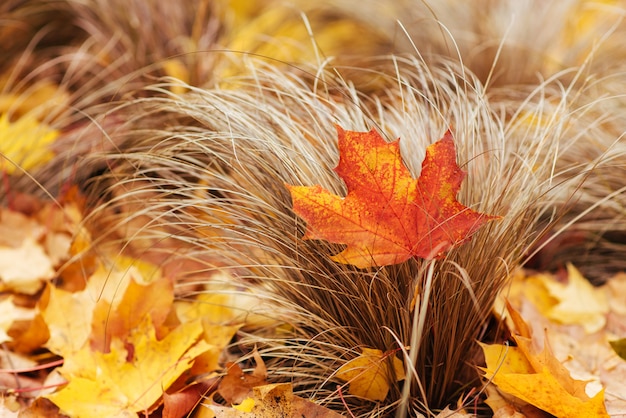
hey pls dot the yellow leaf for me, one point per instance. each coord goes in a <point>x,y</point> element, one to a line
<point>68,317</point>
<point>280,35</point>
<point>140,299</point>
<point>132,376</point>
<point>24,143</point>
<point>504,357</point>
<point>176,69</point>
<point>222,305</point>
<point>584,25</point>
<point>369,374</point>
<point>538,378</point>
<point>576,302</point>
<point>543,390</point>
<point>246,406</point>
<point>39,101</point>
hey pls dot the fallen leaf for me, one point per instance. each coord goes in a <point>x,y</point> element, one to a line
<point>132,376</point>
<point>577,302</point>
<point>538,378</point>
<point>68,317</point>
<point>175,68</point>
<point>236,386</point>
<point>387,216</point>
<point>10,313</point>
<point>619,346</point>
<point>275,400</point>
<point>369,375</point>
<point>112,303</point>
<point>28,336</point>
<point>179,404</point>
<point>24,143</point>
<point>26,268</point>
<point>140,299</point>
<point>40,100</point>
<point>227,305</point>
<point>448,413</point>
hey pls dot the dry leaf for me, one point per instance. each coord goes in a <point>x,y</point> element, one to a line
<point>619,346</point>
<point>41,99</point>
<point>577,302</point>
<point>68,317</point>
<point>175,68</point>
<point>24,143</point>
<point>26,268</point>
<point>132,376</point>
<point>236,386</point>
<point>387,216</point>
<point>140,299</point>
<point>276,400</point>
<point>538,378</point>
<point>227,305</point>
<point>369,375</point>
<point>9,313</point>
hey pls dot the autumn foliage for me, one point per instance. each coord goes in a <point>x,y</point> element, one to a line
<point>387,216</point>
<point>162,275</point>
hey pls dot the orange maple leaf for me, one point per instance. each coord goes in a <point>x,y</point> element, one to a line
<point>387,216</point>
<point>538,377</point>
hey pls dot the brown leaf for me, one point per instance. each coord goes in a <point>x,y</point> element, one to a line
<point>237,386</point>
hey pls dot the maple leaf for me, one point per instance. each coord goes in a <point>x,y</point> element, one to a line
<point>538,378</point>
<point>577,302</point>
<point>24,263</point>
<point>132,376</point>
<point>387,217</point>
<point>274,400</point>
<point>369,374</point>
<point>25,143</point>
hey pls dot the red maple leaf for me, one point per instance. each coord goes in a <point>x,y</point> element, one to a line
<point>387,216</point>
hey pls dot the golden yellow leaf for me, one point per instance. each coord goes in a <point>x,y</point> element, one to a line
<point>39,100</point>
<point>24,143</point>
<point>176,69</point>
<point>132,376</point>
<point>584,21</point>
<point>111,304</point>
<point>153,299</point>
<point>245,406</point>
<point>539,379</point>
<point>68,317</point>
<point>577,302</point>
<point>279,34</point>
<point>226,305</point>
<point>369,374</point>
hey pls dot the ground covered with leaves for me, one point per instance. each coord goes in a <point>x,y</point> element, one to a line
<point>87,335</point>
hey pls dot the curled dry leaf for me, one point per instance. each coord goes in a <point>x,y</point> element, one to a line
<point>537,377</point>
<point>236,386</point>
